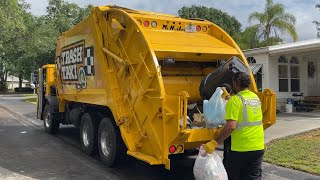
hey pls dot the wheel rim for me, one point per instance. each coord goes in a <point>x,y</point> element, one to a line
<point>85,132</point>
<point>47,119</point>
<point>105,142</point>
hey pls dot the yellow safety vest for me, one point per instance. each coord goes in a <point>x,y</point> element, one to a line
<point>245,108</point>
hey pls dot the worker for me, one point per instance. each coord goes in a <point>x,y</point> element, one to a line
<point>227,142</point>
<point>244,123</point>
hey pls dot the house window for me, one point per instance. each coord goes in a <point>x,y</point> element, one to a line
<point>282,59</point>
<point>289,74</point>
<point>256,71</point>
<point>283,78</point>
<point>251,60</point>
<point>294,60</point>
<point>295,74</point>
<point>283,74</point>
<point>258,79</point>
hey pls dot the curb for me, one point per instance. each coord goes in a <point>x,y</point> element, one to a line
<point>28,121</point>
<point>12,95</point>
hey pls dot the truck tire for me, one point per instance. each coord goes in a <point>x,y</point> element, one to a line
<point>87,134</point>
<point>51,125</point>
<point>110,144</point>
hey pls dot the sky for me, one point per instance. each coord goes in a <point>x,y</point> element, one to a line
<point>304,10</point>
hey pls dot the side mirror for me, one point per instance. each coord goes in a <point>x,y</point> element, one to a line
<point>34,77</point>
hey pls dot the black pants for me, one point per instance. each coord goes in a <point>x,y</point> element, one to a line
<point>246,165</point>
<point>227,155</point>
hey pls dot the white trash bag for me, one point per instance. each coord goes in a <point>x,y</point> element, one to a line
<point>214,110</point>
<point>209,167</point>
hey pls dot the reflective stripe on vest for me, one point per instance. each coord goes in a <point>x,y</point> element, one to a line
<point>245,122</point>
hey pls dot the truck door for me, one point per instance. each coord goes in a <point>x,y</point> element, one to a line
<point>40,92</point>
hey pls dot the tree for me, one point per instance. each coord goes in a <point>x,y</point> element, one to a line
<point>36,47</point>
<point>10,20</point>
<point>273,20</point>
<point>20,52</point>
<point>228,23</point>
<point>45,37</point>
<point>64,14</point>
<point>11,25</point>
<point>27,42</point>
<point>248,39</point>
<point>317,23</point>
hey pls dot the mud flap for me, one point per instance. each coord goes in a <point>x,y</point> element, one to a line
<point>268,105</point>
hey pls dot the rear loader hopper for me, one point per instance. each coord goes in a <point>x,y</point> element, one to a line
<point>134,76</point>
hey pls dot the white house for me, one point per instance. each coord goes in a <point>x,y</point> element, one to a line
<point>287,68</point>
<point>13,82</point>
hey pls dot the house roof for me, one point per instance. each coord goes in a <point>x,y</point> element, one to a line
<point>299,46</point>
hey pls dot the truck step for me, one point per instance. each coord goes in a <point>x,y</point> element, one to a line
<point>143,157</point>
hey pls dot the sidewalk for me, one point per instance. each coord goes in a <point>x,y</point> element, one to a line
<point>292,123</point>
<point>287,124</point>
<point>16,105</point>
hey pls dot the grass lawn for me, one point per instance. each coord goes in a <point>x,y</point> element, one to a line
<point>301,152</point>
<point>30,98</point>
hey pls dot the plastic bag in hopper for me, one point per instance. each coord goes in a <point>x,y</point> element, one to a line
<point>214,109</point>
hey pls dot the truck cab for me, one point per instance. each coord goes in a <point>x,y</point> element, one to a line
<point>45,88</point>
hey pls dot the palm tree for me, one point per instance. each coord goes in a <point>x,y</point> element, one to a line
<point>273,20</point>
<point>317,23</point>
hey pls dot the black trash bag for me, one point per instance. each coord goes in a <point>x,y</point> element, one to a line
<point>223,74</point>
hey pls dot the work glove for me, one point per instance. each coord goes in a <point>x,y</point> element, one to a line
<point>225,94</point>
<point>203,152</point>
<point>210,146</point>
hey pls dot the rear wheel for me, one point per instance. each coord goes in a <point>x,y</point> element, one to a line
<point>51,125</point>
<point>110,144</point>
<point>87,134</point>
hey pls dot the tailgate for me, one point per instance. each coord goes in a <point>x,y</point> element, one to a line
<point>268,105</point>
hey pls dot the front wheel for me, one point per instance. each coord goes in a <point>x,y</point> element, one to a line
<point>110,144</point>
<point>51,125</point>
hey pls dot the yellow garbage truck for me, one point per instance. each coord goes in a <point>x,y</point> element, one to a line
<point>128,78</point>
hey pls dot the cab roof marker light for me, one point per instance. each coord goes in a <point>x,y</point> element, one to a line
<point>146,23</point>
<point>204,28</point>
<point>198,28</point>
<point>154,24</point>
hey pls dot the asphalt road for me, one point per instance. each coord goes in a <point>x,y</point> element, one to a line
<point>27,152</point>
